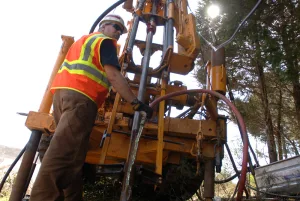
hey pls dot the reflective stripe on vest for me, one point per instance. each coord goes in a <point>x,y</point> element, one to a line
<point>82,70</point>
<point>84,65</point>
<point>86,51</point>
<point>78,67</point>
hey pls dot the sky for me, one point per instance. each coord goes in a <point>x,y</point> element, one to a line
<point>30,40</point>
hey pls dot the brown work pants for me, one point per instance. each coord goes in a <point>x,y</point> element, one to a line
<point>59,177</point>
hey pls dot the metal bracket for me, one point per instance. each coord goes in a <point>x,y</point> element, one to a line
<point>40,121</point>
<point>110,169</point>
<point>103,138</point>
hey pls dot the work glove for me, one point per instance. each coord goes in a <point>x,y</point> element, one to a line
<point>140,106</point>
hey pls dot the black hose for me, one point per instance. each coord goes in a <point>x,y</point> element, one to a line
<point>11,167</point>
<point>105,13</point>
<point>231,159</point>
<point>228,179</point>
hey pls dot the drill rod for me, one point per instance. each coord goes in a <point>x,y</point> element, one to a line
<point>138,121</point>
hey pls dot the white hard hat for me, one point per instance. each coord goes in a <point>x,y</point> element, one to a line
<point>113,18</point>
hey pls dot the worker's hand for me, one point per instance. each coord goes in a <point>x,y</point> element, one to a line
<point>140,106</point>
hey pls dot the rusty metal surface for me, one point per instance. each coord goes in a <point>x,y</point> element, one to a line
<point>209,179</point>
<point>189,127</point>
<point>40,121</point>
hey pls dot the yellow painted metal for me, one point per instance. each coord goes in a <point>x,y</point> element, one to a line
<point>40,121</point>
<point>172,14</point>
<point>183,6</point>
<point>211,106</point>
<point>177,138</point>
<point>214,75</point>
<point>182,99</point>
<point>208,150</point>
<point>47,98</point>
<point>189,127</point>
<point>160,8</point>
<point>96,136</point>
<point>181,64</point>
<point>147,152</point>
<point>218,78</point>
<point>148,7</point>
<point>109,130</point>
<point>187,38</point>
<point>160,132</point>
<point>208,82</point>
<point>222,128</point>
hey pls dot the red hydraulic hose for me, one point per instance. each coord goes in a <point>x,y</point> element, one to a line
<point>239,119</point>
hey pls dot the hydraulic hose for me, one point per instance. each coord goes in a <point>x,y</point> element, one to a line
<point>11,167</point>
<point>231,159</point>
<point>239,119</point>
<point>105,13</point>
<point>227,179</point>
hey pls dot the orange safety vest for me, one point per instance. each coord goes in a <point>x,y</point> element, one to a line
<point>82,70</point>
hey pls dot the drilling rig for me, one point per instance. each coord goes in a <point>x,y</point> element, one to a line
<point>151,152</point>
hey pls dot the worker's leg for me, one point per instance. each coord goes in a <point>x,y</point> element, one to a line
<point>65,156</point>
<point>74,191</point>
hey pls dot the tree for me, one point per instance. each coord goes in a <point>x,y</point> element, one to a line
<point>262,67</point>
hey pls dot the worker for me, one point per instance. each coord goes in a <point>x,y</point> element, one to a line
<point>80,87</point>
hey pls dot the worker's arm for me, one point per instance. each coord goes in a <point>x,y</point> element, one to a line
<point>112,68</point>
<point>117,80</point>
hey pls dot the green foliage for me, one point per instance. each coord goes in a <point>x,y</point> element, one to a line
<point>179,182</point>
<point>107,188</point>
<point>269,39</point>
<point>6,198</point>
<point>224,190</point>
<point>7,188</point>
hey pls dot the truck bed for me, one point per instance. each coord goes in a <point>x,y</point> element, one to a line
<point>281,177</point>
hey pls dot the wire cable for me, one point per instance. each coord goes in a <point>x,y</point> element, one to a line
<point>234,33</point>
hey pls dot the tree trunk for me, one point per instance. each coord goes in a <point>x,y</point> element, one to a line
<point>292,142</point>
<point>278,129</point>
<point>295,148</point>
<point>267,115</point>
<point>296,96</point>
<point>284,146</point>
<point>292,68</point>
